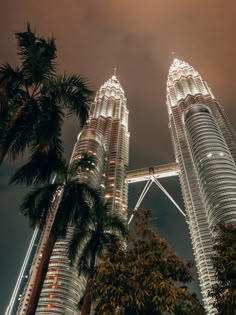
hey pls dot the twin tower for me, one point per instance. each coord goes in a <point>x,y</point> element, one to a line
<point>204,144</point>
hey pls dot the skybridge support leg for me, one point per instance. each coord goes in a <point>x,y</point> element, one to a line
<point>168,195</point>
<point>145,190</point>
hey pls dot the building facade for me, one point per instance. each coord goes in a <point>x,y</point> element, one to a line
<point>106,137</point>
<point>204,143</point>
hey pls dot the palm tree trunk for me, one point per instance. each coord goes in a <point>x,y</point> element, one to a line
<point>43,266</point>
<point>41,274</point>
<point>87,302</point>
<point>85,310</point>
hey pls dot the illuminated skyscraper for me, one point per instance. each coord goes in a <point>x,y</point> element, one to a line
<point>205,147</point>
<point>105,136</point>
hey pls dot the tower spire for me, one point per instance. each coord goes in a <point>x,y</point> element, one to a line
<point>114,74</point>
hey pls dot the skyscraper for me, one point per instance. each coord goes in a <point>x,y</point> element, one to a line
<point>105,136</point>
<point>205,147</point>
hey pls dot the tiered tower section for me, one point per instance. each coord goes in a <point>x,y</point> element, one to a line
<point>205,147</point>
<point>105,136</point>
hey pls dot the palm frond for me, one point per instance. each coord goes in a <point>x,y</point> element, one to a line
<point>111,240</point>
<point>116,224</point>
<point>74,208</point>
<point>103,230</point>
<point>40,168</point>
<point>83,163</point>
<point>90,194</point>
<point>38,203</point>
<point>38,56</point>
<point>100,212</point>
<point>25,39</point>
<point>85,257</point>
<point>78,239</point>
<point>18,133</point>
<point>11,79</point>
<point>47,131</point>
<point>72,92</point>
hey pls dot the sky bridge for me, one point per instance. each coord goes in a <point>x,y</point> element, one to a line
<point>152,175</point>
<point>160,171</point>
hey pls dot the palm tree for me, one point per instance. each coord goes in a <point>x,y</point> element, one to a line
<point>89,243</point>
<point>33,103</point>
<point>68,203</point>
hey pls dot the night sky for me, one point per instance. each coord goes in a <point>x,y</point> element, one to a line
<point>138,38</point>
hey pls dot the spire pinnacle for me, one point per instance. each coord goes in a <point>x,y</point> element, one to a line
<point>113,82</point>
<point>114,74</point>
<point>178,64</point>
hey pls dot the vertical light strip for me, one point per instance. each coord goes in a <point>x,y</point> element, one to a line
<point>16,289</point>
<point>23,268</point>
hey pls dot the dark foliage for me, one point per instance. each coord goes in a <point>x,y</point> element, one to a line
<point>33,102</point>
<point>70,199</point>
<point>224,262</point>
<point>142,279</point>
<point>88,244</point>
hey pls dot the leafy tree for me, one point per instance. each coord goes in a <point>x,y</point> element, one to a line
<point>33,103</point>
<point>189,305</point>
<point>104,229</point>
<point>224,262</point>
<point>143,278</point>
<point>68,203</point>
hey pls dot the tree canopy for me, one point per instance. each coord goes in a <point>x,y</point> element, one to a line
<point>143,278</point>
<point>224,262</point>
